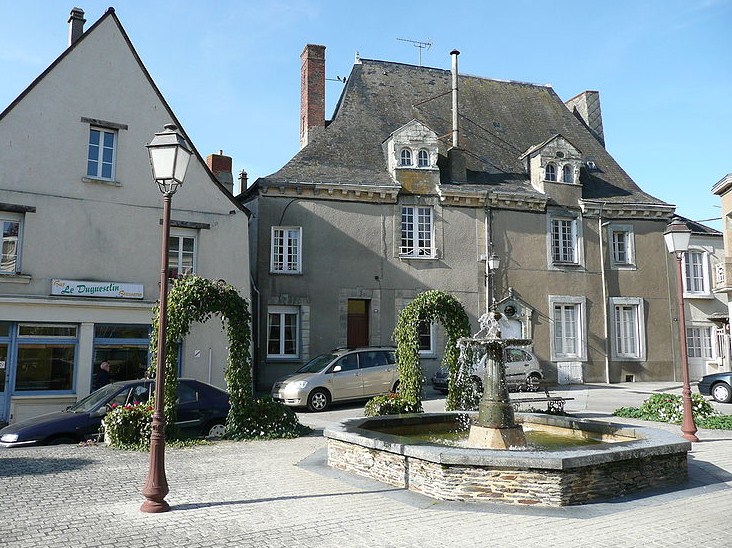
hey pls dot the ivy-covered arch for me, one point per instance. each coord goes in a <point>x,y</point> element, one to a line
<point>435,307</point>
<point>195,299</point>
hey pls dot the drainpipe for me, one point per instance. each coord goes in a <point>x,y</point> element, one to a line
<point>606,326</point>
<point>455,132</point>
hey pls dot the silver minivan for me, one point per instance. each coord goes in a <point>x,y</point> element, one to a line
<point>342,375</point>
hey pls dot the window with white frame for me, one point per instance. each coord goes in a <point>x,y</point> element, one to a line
<point>417,238</point>
<point>696,268</point>
<point>568,340</point>
<point>10,264</point>
<point>699,342</point>
<point>181,254</point>
<point>622,246</point>
<point>423,158</point>
<point>564,240</point>
<point>283,332</point>
<point>628,328</point>
<point>102,153</point>
<point>405,157</point>
<point>426,331</point>
<point>286,250</point>
<point>567,174</point>
<point>550,172</point>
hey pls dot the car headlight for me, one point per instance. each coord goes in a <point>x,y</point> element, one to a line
<point>9,438</point>
<point>297,384</point>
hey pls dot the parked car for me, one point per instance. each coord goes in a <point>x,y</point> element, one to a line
<point>343,374</point>
<point>202,410</point>
<point>522,372</point>
<point>718,386</point>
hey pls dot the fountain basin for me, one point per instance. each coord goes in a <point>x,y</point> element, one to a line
<point>629,459</point>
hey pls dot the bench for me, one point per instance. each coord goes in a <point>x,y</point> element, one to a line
<point>554,404</point>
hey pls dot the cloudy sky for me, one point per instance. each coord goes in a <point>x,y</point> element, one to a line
<point>231,69</point>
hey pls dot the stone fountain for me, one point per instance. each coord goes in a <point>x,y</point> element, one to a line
<point>495,427</point>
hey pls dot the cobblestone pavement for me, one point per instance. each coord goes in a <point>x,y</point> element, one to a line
<point>280,493</point>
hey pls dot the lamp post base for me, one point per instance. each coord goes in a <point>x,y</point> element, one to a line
<point>154,507</point>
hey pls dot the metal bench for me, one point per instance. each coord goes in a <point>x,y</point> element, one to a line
<point>554,404</point>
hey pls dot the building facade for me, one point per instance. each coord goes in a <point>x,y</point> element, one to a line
<point>419,178</point>
<point>82,219</point>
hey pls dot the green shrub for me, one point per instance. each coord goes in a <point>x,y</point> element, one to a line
<point>716,422</point>
<point>391,404</point>
<point>263,419</point>
<point>668,408</point>
<point>129,426</point>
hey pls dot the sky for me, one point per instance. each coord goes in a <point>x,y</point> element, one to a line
<point>231,69</point>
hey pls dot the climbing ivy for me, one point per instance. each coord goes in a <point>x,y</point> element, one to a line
<point>195,299</point>
<point>434,307</point>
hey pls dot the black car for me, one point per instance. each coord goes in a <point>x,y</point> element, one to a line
<point>718,386</point>
<point>202,410</point>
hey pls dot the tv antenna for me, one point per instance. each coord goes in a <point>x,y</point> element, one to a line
<point>419,45</point>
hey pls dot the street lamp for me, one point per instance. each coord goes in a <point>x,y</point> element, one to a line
<point>169,157</point>
<point>492,264</point>
<point>677,238</point>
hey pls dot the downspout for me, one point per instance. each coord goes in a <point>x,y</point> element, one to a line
<point>606,324</point>
<point>488,251</point>
<point>455,132</point>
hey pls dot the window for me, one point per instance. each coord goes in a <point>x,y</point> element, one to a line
<point>699,342</point>
<point>405,157</point>
<point>564,240</point>
<point>181,255</point>
<point>286,250</point>
<point>426,338</point>
<point>622,243</point>
<point>102,152</point>
<point>567,328</point>
<point>11,248</point>
<point>567,174</point>
<point>416,232</point>
<point>423,158</point>
<point>697,273</point>
<point>628,333</point>
<point>46,354</point>
<point>282,332</point>
<point>550,172</point>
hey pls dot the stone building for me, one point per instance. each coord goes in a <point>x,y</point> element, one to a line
<point>423,174</point>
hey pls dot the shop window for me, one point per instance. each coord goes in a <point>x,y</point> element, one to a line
<point>46,357</point>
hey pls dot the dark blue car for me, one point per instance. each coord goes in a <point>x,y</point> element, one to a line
<point>718,386</point>
<point>202,411</point>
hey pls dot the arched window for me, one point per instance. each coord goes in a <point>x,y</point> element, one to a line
<point>405,158</point>
<point>423,158</point>
<point>550,173</point>
<point>567,174</point>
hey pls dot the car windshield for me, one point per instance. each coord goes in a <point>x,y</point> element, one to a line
<point>316,364</point>
<point>93,400</point>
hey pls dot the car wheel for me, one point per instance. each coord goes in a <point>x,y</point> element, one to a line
<point>60,440</point>
<point>318,400</point>
<point>721,392</point>
<point>215,430</point>
<point>395,388</point>
<point>477,385</point>
<point>532,383</point>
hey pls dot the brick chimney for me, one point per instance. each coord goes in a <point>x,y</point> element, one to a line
<point>586,107</point>
<point>220,166</point>
<point>76,25</point>
<point>312,92</point>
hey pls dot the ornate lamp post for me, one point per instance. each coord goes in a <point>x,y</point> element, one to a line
<point>169,157</point>
<point>492,264</point>
<point>677,237</point>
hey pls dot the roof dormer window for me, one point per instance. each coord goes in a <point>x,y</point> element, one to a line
<point>567,174</point>
<point>550,172</point>
<point>423,158</point>
<point>405,157</point>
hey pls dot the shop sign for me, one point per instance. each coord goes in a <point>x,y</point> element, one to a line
<point>113,290</point>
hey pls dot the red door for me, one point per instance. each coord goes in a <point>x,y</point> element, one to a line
<point>358,323</point>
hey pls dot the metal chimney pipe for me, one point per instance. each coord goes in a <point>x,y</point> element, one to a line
<point>455,129</point>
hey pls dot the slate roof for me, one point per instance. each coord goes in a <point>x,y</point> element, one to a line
<point>698,228</point>
<point>499,121</point>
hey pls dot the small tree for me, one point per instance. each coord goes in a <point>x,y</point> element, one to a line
<point>429,306</point>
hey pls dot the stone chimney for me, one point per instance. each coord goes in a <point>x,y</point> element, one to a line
<point>220,166</point>
<point>76,25</point>
<point>312,92</point>
<point>586,107</point>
